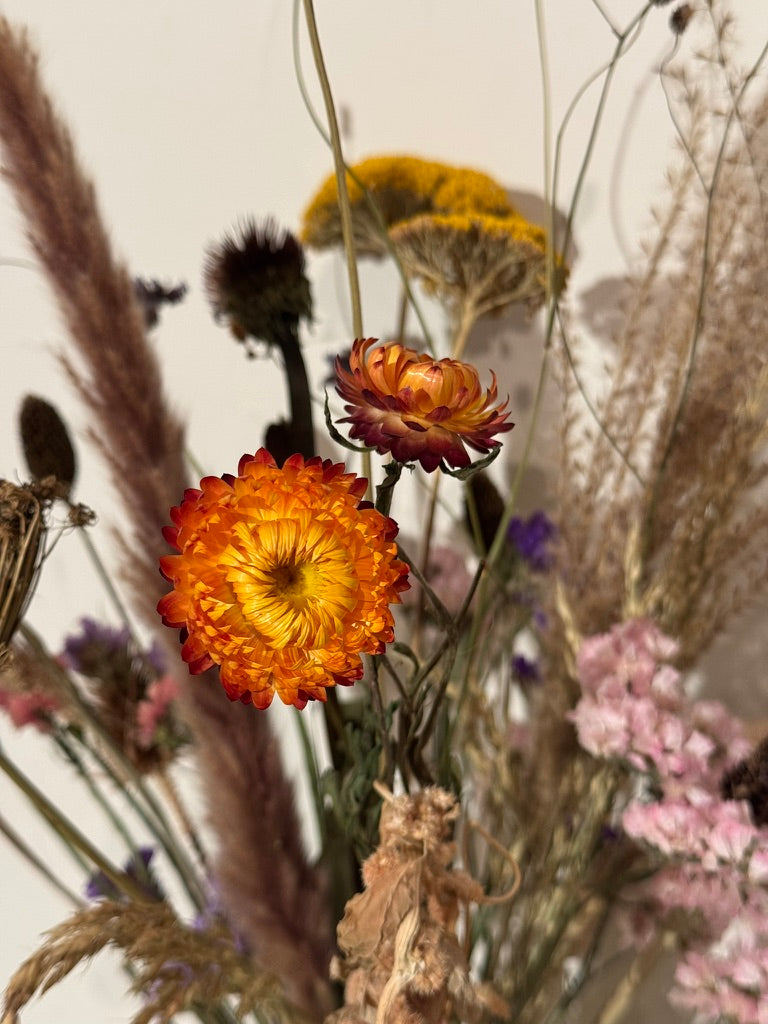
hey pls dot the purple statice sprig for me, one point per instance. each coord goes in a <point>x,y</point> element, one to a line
<point>532,539</point>
<point>137,868</point>
<point>525,670</point>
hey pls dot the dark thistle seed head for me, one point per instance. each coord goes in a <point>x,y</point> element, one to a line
<point>748,780</point>
<point>47,447</point>
<point>678,20</point>
<point>255,278</point>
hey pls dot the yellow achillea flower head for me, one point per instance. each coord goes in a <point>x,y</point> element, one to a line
<point>402,187</point>
<point>493,261</point>
<point>283,578</point>
<point>418,408</point>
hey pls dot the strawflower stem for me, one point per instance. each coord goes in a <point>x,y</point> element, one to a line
<point>107,583</point>
<point>31,857</point>
<point>344,206</point>
<point>63,743</point>
<point>148,807</point>
<point>338,162</point>
<point>172,795</point>
<point>68,831</point>
<point>372,205</point>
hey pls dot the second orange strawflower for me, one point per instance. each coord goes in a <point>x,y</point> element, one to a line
<point>418,408</point>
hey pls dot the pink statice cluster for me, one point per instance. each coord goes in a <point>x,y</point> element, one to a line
<point>153,709</point>
<point>30,708</point>
<point>634,708</point>
<point>711,885</point>
<point>730,980</point>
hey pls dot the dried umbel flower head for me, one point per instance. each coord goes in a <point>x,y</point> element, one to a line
<point>417,408</point>
<point>488,261</point>
<point>255,279</point>
<point>283,579</point>
<point>23,529</point>
<point>47,446</point>
<point>401,187</point>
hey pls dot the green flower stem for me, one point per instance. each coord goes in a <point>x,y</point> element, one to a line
<point>62,741</point>
<point>31,857</point>
<point>150,812</point>
<point>106,582</point>
<point>172,795</point>
<point>310,763</point>
<point>302,431</point>
<point>338,162</point>
<point>372,205</point>
<point>148,807</point>
<point>69,832</point>
<point>344,206</point>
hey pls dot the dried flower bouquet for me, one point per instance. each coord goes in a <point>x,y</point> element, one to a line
<point>517,783</point>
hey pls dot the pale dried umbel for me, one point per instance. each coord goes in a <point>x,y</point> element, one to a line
<point>475,264</point>
<point>401,961</point>
<point>494,261</point>
<point>23,529</point>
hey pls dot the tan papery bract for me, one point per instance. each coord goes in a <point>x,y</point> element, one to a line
<point>401,961</point>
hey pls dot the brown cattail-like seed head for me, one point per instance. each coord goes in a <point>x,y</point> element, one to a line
<point>255,279</point>
<point>489,505</point>
<point>47,447</point>
<point>23,528</point>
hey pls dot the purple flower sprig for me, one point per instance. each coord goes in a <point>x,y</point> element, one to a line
<point>532,537</point>
<point>137,868</point>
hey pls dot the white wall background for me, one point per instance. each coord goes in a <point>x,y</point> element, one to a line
<point>187,115</point>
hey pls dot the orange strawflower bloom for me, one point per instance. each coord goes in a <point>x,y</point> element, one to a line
<point>418,408</point>
<point>284,578</point>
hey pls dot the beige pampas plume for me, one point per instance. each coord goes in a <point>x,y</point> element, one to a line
<point>116,374</point>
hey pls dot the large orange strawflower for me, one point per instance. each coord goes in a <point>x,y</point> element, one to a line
<point>418,408</point>
<point>284,578</point>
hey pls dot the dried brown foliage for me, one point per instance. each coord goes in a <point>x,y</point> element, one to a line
<point>120,380</point>
<point>401,961</point>
<point>174,968</point>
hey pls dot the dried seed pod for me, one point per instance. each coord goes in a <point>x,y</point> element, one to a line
<point>47,446</point>
<point>23,528</point>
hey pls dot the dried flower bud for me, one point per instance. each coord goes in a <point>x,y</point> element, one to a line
<point>47,447</point>
<point>23,527</point>
<point>256,280</point>
<point>680,17</point>
<point>489,505</point>
<point>152,295</point>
